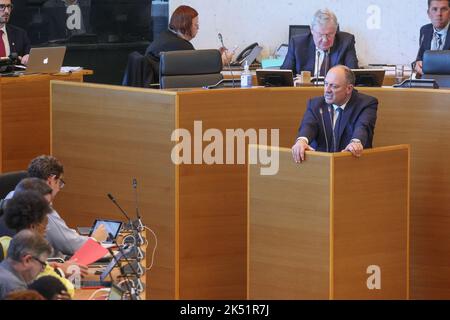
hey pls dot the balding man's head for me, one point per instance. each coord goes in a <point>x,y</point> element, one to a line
<point>339,84</point>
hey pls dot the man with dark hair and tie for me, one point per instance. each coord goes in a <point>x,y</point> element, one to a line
<point>14,39</point>
<point>434,36</point>
<point>341,120</point>
<point>322,48</point>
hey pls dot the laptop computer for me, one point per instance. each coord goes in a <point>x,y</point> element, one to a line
<point>45,60</point>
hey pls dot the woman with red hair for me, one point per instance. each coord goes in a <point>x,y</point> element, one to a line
<point>183,27</point>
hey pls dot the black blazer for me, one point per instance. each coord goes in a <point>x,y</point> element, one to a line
<point>426,35</point>
<point>358,121</point>
<point>18,40</point>
<point>301,54</point>
<point>167,41</point>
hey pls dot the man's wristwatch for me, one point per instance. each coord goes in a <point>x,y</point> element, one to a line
<point>355,141</point>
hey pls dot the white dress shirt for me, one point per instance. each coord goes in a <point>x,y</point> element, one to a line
<point>443,34</point>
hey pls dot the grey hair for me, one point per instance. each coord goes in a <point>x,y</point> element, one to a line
<point>28,242</point>
<point>324,16</point>
<point>34,184</point>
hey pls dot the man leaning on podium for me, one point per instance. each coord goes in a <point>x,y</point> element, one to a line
<point>342,120</point>
<point>14,39</point>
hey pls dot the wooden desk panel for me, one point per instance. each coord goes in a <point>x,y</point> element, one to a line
<point>418,117</point>
<point>25,117</point>
<point>106,136</point>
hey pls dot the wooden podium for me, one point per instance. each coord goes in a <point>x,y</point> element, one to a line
<point>331,227</point>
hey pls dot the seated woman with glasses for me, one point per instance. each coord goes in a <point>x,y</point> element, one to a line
<point>183,27</point>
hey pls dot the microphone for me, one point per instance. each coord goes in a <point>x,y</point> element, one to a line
<point>137,273</point>
<point>413,66</point>
<point>326,60</point>
<point>120,208</point>
<point>139,226</point>
<point>415,62</point>
<point>228,62</point>
<point>123,273</point>
<point>221,39</point>
<point>332,129</point>
<point>324,129</point>
<point>14,57</point>
<point>317,71</point>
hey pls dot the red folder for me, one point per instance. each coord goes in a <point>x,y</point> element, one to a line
<point>89,253</point>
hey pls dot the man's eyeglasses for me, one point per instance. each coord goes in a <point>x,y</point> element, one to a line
<point>61,182</point>
<point>4,6</point>
<point>43,264</point>
<point>327,36</point>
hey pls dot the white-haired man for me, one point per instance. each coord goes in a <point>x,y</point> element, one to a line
<point>322,48</point>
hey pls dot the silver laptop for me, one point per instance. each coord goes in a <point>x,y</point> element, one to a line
<point>45,60</point>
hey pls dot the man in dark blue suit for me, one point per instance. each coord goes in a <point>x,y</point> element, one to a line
<point>14,39</point>
<point>322,48</point>
<point>434,36</point>
<point>342,120</point>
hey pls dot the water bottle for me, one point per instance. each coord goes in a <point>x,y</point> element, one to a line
<point>246,77</point>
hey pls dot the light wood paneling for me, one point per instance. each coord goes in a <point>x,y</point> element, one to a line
<point>212,198</point>
<point>370,223</point>
<point>315,228</point>
<point>421,118</point>
<point>25,117</point>
<point>289,230</point>
<point>105,136</point>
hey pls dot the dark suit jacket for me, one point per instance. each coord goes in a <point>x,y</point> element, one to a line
<point>426,35</point>
<point>301,54</point>
<point>18,40</point>
<point>141,71</point>
<point>357,122</point>
<point>167,41</point>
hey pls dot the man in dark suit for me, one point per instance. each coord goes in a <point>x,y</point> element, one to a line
<point>434,36</point>
<point>322,48</point>
<point>14,39</point>
<point>342,120</point>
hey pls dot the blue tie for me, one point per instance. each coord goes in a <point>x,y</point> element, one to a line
<point>438,37</point>
<point>336,129</point>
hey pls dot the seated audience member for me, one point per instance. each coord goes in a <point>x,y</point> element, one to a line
<point>24,295</point>
<point>26,258</point>
<point>30,184</point>
<point>50,288</point>
<point>341,120</point>
<point>42,188</point>
<point>183,27</point>
<point>435,35</point>
<point>29,210</point>
<point>324,47</point>
<point>15,39</point>
<point>63,239</point>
